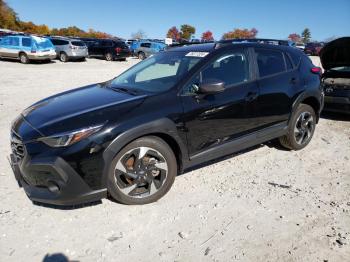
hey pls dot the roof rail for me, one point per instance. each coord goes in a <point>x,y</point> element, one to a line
<point>252,40</point>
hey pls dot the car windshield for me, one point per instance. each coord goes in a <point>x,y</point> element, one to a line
<point>42,43</point>
<point>159,72</point>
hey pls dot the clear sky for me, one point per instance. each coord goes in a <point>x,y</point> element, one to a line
<point>272,18</point>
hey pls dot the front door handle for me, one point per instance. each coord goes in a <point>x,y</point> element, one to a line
<point>251,96</point>
<point>293,80</point>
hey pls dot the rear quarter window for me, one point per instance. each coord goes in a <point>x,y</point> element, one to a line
<point>295,58</point>
<point>270,62</point>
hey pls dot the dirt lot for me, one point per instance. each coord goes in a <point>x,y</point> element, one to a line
<point>230,210</point>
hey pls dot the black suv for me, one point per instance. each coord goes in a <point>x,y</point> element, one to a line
<point>132,135</point>
<point>108,49</point>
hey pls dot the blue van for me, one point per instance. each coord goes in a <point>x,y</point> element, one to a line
<point>26,48</point>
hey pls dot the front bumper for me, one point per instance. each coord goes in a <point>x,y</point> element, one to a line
<point>53,181</point>
<point>337,104</point>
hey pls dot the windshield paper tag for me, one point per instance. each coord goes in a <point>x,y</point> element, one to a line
<point>197,54</point>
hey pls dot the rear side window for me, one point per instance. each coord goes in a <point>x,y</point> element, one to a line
<point>27,42</point>
<point>147,45</point>
<point>106,43</point>
<point>121,44</point>
<point>14,41</point>
<point>295,58</point>
<point>270,62</point>
<point>59,42</point>
<point>78,43</point>
<point>231,68</point>
<point>288,62</point>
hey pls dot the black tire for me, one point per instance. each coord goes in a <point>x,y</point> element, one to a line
<point>63,57</point>
<point>122,59</point>
<point>141,55</point>
<point>155,144</point>
<point>109,57</point>
<point>301,128</point>
<point>23,58</point>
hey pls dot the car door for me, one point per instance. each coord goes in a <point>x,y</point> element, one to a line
<point>4,47</point>
<point>276,86</point>
<point>212,120</point>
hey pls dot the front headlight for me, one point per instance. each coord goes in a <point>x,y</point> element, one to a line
<point>69,138</point>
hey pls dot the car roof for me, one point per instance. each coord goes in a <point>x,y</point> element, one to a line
<point>209,47</point>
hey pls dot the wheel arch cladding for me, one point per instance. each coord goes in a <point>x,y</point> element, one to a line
<point>308,99</point>
<point>162,128</point>
<point>313,102</point>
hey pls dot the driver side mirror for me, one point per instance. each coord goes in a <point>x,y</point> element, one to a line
<point>211,86</point>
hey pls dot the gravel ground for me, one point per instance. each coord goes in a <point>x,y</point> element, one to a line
<point>265,204</point>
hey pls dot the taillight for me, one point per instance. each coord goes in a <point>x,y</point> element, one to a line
<point>316,70</point>
<point>118,49</point>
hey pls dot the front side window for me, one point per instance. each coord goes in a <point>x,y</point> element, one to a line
<point>270,62</point>
<point>231,68</point>
<point>27,42</point>
<point>157,73</point>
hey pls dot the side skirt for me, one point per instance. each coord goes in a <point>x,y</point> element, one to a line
<point>239,144</point>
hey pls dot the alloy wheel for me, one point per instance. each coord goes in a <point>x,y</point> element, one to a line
<point>23,59</point>
<point>141,172</point>
<point>304,127</point>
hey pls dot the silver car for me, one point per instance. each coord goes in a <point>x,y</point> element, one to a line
<point>69,49</point>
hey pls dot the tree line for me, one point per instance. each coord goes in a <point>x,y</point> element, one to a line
<point>9,20</point>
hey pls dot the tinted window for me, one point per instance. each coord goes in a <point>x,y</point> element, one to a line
<point>231,68</point>
<point>5,41</point>
<point>269,62</point>
<point>78,43</point>
<point>59,42</point>
<point>295,58</point>
<point>14,41</point>
<point>147,45</point>
<point>106,43</point>
<point>27,42</point>
<point>288,62</point>
<point>121,44</point>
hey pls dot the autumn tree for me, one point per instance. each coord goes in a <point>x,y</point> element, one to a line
<point>187,31</point>
<point>174,33</point>
<point>240,33</point>
<point>306,35</point>
<point>207,36</point>
<point>9,20</point>
<point>8,17</point>
<point>295,37</point>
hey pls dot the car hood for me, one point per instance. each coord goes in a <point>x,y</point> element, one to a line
<point>336,53</point>
<point>78,108</point>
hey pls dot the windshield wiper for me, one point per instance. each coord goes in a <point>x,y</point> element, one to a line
<point>123,90</point>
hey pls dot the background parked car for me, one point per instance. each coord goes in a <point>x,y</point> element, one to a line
<point>108,49</point>
<point>335,59</point>
<point>69,49</point>
<point>148,48</point>
<point>313,48</point>
<point>26,48</point>
<point>301,46</point>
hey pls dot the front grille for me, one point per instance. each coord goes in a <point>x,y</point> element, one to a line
<point>18,148</point>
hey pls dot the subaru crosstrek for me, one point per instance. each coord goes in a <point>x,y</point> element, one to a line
<point>130,136</point>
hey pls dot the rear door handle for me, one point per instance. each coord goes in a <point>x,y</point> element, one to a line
<point>251,96</point>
